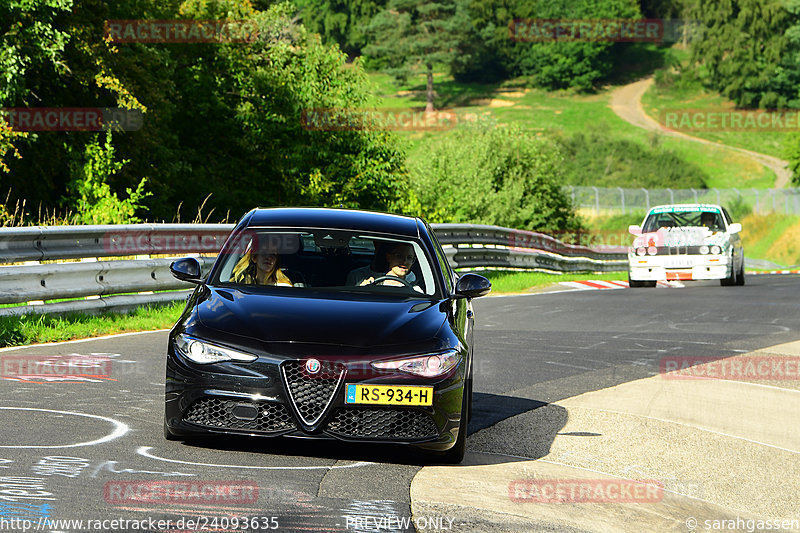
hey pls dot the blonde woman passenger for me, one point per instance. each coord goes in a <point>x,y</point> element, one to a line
<point>261,267</point>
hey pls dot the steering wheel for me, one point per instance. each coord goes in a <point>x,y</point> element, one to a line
<point>384,278</point>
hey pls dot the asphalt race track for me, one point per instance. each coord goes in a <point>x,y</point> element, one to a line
<point>83,449</point>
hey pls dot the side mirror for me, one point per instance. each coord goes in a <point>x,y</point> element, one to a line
<point>735,228</point>
<point>633,229</point>
<point>472,286</point>
<point>187,269</point>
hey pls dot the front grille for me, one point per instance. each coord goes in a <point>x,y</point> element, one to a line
<point>312,393</point>
<point>219,413</point>
<point>382,423</point>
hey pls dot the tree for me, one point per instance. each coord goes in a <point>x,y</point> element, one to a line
<point>29,40</point>
<point>413,35</point>
<point>745,49</point>
<point>92,197</point>
<point>493,175</point>
<point>340,21</point>
<point>223,117</point>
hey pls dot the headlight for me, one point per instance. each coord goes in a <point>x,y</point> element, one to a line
<point>427,366</point>
<point>640,251</point>
<point>203,352</point>
<point>652,250</point>
<point>716,250</point>
<point>704,249</point>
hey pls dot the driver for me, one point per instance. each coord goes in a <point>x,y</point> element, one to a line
<point>396,261</point>
<point>709,220</point>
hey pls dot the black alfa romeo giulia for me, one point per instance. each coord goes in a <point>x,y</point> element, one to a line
<point>327,323</point>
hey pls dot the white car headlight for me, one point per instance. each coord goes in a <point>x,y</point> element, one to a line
<point>640,251</point>
<point>716,250</point>
<point>427,366</point>
<point>203,352</point>
<point>704,249</point>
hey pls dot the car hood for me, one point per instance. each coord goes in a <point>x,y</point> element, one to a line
<point>682,236</point>
<point>320,319</point>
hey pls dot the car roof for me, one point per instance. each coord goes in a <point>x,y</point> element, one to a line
<point>685,206</point>
<point>320,217</point>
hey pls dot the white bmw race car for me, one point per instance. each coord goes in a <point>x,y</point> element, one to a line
<point>686,242</point>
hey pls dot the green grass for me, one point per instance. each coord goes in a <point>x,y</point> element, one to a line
<point>32,329</point>
<point>511,282</point>
<point>564,112</point>
<point>659,99</point>
<point>760,233</point>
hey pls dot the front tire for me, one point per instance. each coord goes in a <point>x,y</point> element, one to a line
<point>455,455</point>
<point>168,434</point>
<point>730,280</point>
<point>635,284</point>
<point>740,277</point>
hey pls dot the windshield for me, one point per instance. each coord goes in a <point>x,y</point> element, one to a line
<point>711,219</point>
<point>332,259</point>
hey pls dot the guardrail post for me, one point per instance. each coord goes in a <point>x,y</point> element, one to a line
<point>757,206</point>
<point>772,192</point>
<point>596,200</point>
<point>717,191</point>
<point>622,198</point>
<point>671,196</point>
<point>647,198</point>
<point>694,192</point>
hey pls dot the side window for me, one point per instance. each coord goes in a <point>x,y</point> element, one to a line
<point>443,264</point>
<point>728,218</point>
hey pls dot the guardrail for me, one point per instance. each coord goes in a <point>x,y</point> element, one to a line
<point>102,281</point>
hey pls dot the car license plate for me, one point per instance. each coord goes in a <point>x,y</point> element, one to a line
<point>389,394</point>
<point>678,262</point>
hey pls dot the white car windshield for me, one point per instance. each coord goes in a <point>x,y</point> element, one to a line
<point>675,219</point>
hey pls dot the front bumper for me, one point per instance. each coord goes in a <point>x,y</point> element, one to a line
<point>254,399</point>
<point>656,268</point>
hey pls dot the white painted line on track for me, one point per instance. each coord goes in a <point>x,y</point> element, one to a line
<point>570,366</point>
<point>144,451</point>
<point>104,337</point>
<point>120,428</point>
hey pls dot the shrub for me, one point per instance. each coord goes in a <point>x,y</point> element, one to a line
<point>592,158</point>
<point>492,175</point>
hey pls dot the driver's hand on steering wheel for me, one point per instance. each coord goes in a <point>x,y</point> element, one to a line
<point>392,282</point>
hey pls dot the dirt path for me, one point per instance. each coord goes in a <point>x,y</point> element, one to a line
<point>626,102</point>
